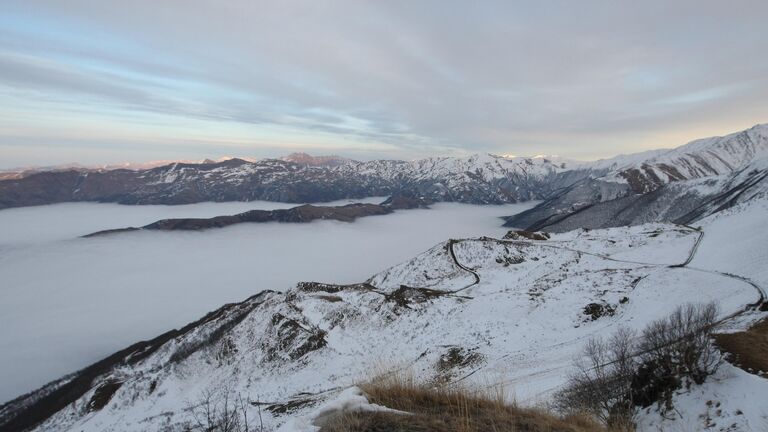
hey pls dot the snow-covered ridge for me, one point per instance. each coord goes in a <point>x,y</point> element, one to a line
<point>591,205</point>
<point>134,166</point>
<point>700,158</point>
<point>479,179</point>
<point>485,166</point>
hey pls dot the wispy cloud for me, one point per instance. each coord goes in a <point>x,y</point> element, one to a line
<point>582,79</point>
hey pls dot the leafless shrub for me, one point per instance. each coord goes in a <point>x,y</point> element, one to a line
<point>614,376</point>
<point>221,410</point>
<point>675,351</point>
<point>602,380</point>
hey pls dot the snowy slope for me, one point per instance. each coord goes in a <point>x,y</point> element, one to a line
<point>734,242</point>
<point>700,158</point>
<point>514,308</point>
<point>594,205</point>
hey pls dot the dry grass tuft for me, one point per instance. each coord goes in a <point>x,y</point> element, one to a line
<point>748,349</point>
<point>449,409</point>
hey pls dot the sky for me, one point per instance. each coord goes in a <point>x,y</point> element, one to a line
<point>108,82</point>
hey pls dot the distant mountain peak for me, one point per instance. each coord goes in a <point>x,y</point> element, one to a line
<point>319,161</point>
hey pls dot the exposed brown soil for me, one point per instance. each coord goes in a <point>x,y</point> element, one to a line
<point>748,349</point>
<point>330,298</point>
<point>293,339</point>
<point>305,213</point>
<point>448,410</point>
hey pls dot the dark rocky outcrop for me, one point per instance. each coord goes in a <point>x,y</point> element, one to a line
<point>301,214</point>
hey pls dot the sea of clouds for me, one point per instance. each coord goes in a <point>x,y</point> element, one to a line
<point>67,301</point>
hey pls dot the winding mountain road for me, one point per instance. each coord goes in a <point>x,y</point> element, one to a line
<point>761,292</point>
<point>694,249</point>
<point>462,266</point>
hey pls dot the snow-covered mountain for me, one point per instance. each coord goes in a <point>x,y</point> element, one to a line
<point>676,185</point>
<point>482,179</point>
<point>306,159</point>
<point>701,158</point>
<point>600,204</point>
<point>513,310</point>
<point>299,178</point>
<point>16,173</point>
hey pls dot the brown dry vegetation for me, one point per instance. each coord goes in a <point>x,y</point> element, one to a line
<point>449,409</point>
<point>748,349</point>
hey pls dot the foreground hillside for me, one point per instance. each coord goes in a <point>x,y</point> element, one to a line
<point>513,311</point>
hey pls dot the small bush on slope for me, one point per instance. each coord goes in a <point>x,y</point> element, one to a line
<point>449,409</point>
<point>625,371</point>
<point>221,410</point>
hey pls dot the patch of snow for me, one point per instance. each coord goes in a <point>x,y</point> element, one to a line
<point>350,400</point>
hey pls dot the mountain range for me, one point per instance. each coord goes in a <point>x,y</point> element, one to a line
<point>734,165</point>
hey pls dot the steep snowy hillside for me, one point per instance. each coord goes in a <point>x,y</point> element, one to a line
<point>514,311</point>
<point>679,202</point>
<point>733,242</point>
<point>701,158</point>
<point>480,179</point>
<point>679,185</point>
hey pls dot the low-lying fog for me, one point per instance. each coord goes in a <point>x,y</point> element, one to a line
<point>66,302</point>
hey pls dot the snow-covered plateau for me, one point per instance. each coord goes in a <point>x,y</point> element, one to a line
<point>514,309</point>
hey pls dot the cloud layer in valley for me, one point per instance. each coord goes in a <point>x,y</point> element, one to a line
<point>66,301</point>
